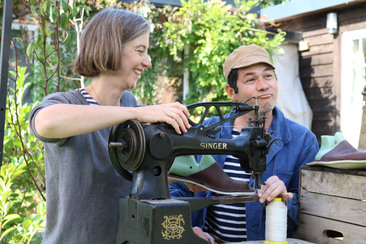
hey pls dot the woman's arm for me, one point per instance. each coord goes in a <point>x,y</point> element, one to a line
<point>65,120</point>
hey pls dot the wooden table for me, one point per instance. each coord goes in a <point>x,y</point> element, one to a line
<point>332,205</point>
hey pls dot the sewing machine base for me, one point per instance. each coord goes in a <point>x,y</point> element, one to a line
<point>155,222</point>
<point>164,221</point>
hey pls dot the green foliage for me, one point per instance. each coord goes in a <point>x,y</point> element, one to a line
<point>55,45</point>
<point>21,176</point>
<point>200,35</point>
<point>8,199</point>
<point>269,3</point>
<point>20,218</point>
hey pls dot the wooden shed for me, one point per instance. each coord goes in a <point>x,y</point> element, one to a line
<point>332,63</point>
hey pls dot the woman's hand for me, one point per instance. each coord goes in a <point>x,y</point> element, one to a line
<point>274,187</point>
<point>174,114</point>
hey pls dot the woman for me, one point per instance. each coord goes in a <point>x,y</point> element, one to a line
<point>83,187</point>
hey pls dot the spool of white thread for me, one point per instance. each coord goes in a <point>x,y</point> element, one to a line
<point>276,222</point>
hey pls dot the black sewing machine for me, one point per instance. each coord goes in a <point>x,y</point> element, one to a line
<point>143,154</point>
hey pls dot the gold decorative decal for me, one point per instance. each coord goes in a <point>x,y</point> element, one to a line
<point>173,228</point>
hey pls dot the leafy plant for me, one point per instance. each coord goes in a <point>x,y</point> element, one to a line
<point>20,218</point>
<point>22,175</point>
<point>211,31</point>
<point>8,198</point>
<point>269,3</point>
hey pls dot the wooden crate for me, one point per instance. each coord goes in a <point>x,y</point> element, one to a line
<point>332,205</point>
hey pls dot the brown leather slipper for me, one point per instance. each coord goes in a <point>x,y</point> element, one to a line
<point>343,151</point>
<point>214,179</point>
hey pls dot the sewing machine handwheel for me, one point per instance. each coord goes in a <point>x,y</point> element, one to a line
<point>127,147</point>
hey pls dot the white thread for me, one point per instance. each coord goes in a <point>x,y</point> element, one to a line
<point>276,221</point>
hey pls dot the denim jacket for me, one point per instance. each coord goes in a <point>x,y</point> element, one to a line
<point>296,146</point>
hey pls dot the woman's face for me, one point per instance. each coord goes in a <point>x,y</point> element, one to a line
<point>135,60</point>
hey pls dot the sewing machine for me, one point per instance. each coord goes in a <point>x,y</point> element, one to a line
<point>143,154</point>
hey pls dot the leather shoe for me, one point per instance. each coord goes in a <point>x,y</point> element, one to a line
<point>208,174</point>
<point>338,149</point>
<point>328,143</point>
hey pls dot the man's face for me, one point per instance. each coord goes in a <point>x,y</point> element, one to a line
<point>258,81</point>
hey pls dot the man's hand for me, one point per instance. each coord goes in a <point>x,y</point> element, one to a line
<point>204,235</point>
<point>274,187</point>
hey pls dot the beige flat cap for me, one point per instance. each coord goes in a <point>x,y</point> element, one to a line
<point>245,56</point>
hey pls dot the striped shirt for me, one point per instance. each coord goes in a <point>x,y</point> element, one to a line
<point>87,96</point>
<point>227,222</point>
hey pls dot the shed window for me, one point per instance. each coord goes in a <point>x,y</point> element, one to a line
<point>353,81</point>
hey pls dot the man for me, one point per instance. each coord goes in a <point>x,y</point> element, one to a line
<point>249,72</point>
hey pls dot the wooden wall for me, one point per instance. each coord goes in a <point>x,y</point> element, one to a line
<point>320,65</point>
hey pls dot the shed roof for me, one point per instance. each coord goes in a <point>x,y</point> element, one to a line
<point>297,8</point>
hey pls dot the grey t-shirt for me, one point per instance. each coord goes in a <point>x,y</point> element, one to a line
<point>82,186</point>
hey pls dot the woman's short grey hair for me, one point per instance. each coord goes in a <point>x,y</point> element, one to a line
<point>102,40</point>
